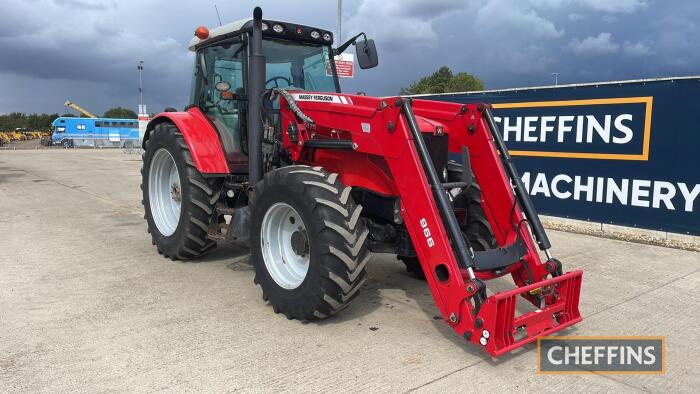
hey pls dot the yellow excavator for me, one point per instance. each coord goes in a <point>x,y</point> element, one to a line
<point>80,109</point>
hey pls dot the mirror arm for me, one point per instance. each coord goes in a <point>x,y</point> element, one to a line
<point>347,43</point>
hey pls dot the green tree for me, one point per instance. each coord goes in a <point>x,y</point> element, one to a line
<point>120,113</point>
<point>444,81</point>
<point>26,121</point>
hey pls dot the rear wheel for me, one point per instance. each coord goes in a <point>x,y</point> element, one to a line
<point>308,243</point>
<point>178,201</point>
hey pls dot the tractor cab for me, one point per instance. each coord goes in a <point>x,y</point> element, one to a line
<point>297,57</point>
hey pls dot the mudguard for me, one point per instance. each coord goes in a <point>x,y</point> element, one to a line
<point>201,137</point>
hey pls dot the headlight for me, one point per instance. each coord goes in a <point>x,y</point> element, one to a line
<point>278,28</point>
<point>265,26</point>
<point>315,34</point>
<point>327,36</point>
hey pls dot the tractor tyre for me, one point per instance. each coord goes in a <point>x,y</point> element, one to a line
<point>308,242</point>
<point>178,201</point>
<point>475,229</point>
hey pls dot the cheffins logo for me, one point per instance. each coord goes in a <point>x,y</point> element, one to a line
<point>612,129</point>
<point>601,355</point>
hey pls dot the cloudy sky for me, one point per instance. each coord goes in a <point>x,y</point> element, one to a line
<point>87,50</point>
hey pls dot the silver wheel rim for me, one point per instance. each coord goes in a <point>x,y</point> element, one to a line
<point>286,267</point>
<point>164,192</point>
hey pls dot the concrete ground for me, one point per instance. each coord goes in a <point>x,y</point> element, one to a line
<point>86,304</point>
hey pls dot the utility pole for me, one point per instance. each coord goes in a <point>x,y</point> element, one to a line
<point>556,79</point>
<point>340,23</point>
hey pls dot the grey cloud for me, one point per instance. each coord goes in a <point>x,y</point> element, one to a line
<point>615,6</point>
<point>88,52</point>
<point>86,4</point>
<point>601,44</point>
<point>636,49</point>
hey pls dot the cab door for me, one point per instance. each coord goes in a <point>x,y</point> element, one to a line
<point>222,99</point>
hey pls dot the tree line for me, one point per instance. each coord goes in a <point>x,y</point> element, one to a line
<point>441,81</point>
<point>42,122</point>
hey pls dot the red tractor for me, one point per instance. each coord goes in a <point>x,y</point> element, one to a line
<point>271,154</point>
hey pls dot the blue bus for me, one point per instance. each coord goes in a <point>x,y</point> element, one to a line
<point>95,132</point>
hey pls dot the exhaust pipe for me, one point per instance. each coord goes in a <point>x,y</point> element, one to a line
<point>256,88</point>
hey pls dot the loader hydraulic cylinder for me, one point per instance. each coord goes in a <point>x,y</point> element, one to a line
<point>520,191</point>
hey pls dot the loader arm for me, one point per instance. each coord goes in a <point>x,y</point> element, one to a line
<point>373,144</point>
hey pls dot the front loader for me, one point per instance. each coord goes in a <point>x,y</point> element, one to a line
<point>271,154</point>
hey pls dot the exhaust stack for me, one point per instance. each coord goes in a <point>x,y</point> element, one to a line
<point>256,88</point>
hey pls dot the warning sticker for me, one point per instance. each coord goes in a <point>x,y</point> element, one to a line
<point>344,65</point>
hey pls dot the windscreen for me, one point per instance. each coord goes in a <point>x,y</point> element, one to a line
<point>298,65</point>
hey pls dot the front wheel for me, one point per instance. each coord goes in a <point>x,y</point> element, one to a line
<point>308,243</point>
<point>178,201</point>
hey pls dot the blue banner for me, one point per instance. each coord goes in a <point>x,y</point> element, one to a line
<point>619,153</point>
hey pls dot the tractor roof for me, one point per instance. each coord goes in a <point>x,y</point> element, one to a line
<point>290,31</point>
<point>220,31</point>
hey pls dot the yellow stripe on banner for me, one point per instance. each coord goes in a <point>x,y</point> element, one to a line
<point>644,156</point>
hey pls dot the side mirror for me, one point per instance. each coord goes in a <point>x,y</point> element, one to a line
<point>366,54</point>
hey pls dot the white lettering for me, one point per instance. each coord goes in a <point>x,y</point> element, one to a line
<point>579,129</point>
<point>649,353</point>
<point>555,189</point>
<point>540,185</point>
<point>602,130</point>
<point>640,190</point>
<point>624,129</point>
<point>568,354</point>
<point>689,196</point>
<point>517,128</point>
<point>579,187</point>
<point>530,128</point>
<point>612,353</point>
<point>545,127</point>
<point>550,355</point>
<point>659,195</point>
<point>563,128</point>
<point>637,355</point>
<point>619,192</point>
<point>586,355</point>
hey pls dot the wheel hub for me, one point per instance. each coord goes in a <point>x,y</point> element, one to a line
<point>300,243</point>
<point>285,245</point>
<point>175,192</point>
<point>164,192</point>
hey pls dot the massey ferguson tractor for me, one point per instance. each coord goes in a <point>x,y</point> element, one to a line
<point>269,153</point>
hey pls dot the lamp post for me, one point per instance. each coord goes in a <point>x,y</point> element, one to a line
<point>556,79</point>
<point>340,18</point>
<point>140,68</point>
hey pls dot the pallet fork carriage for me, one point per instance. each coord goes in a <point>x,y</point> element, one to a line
<point>331,177</point>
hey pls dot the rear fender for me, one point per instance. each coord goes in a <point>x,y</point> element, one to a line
<point>201,137</point>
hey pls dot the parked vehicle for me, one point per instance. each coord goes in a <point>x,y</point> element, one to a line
<point>270,153</point>
<point>101,132</point>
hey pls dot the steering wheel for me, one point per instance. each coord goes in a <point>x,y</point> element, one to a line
<point>275,79</point>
